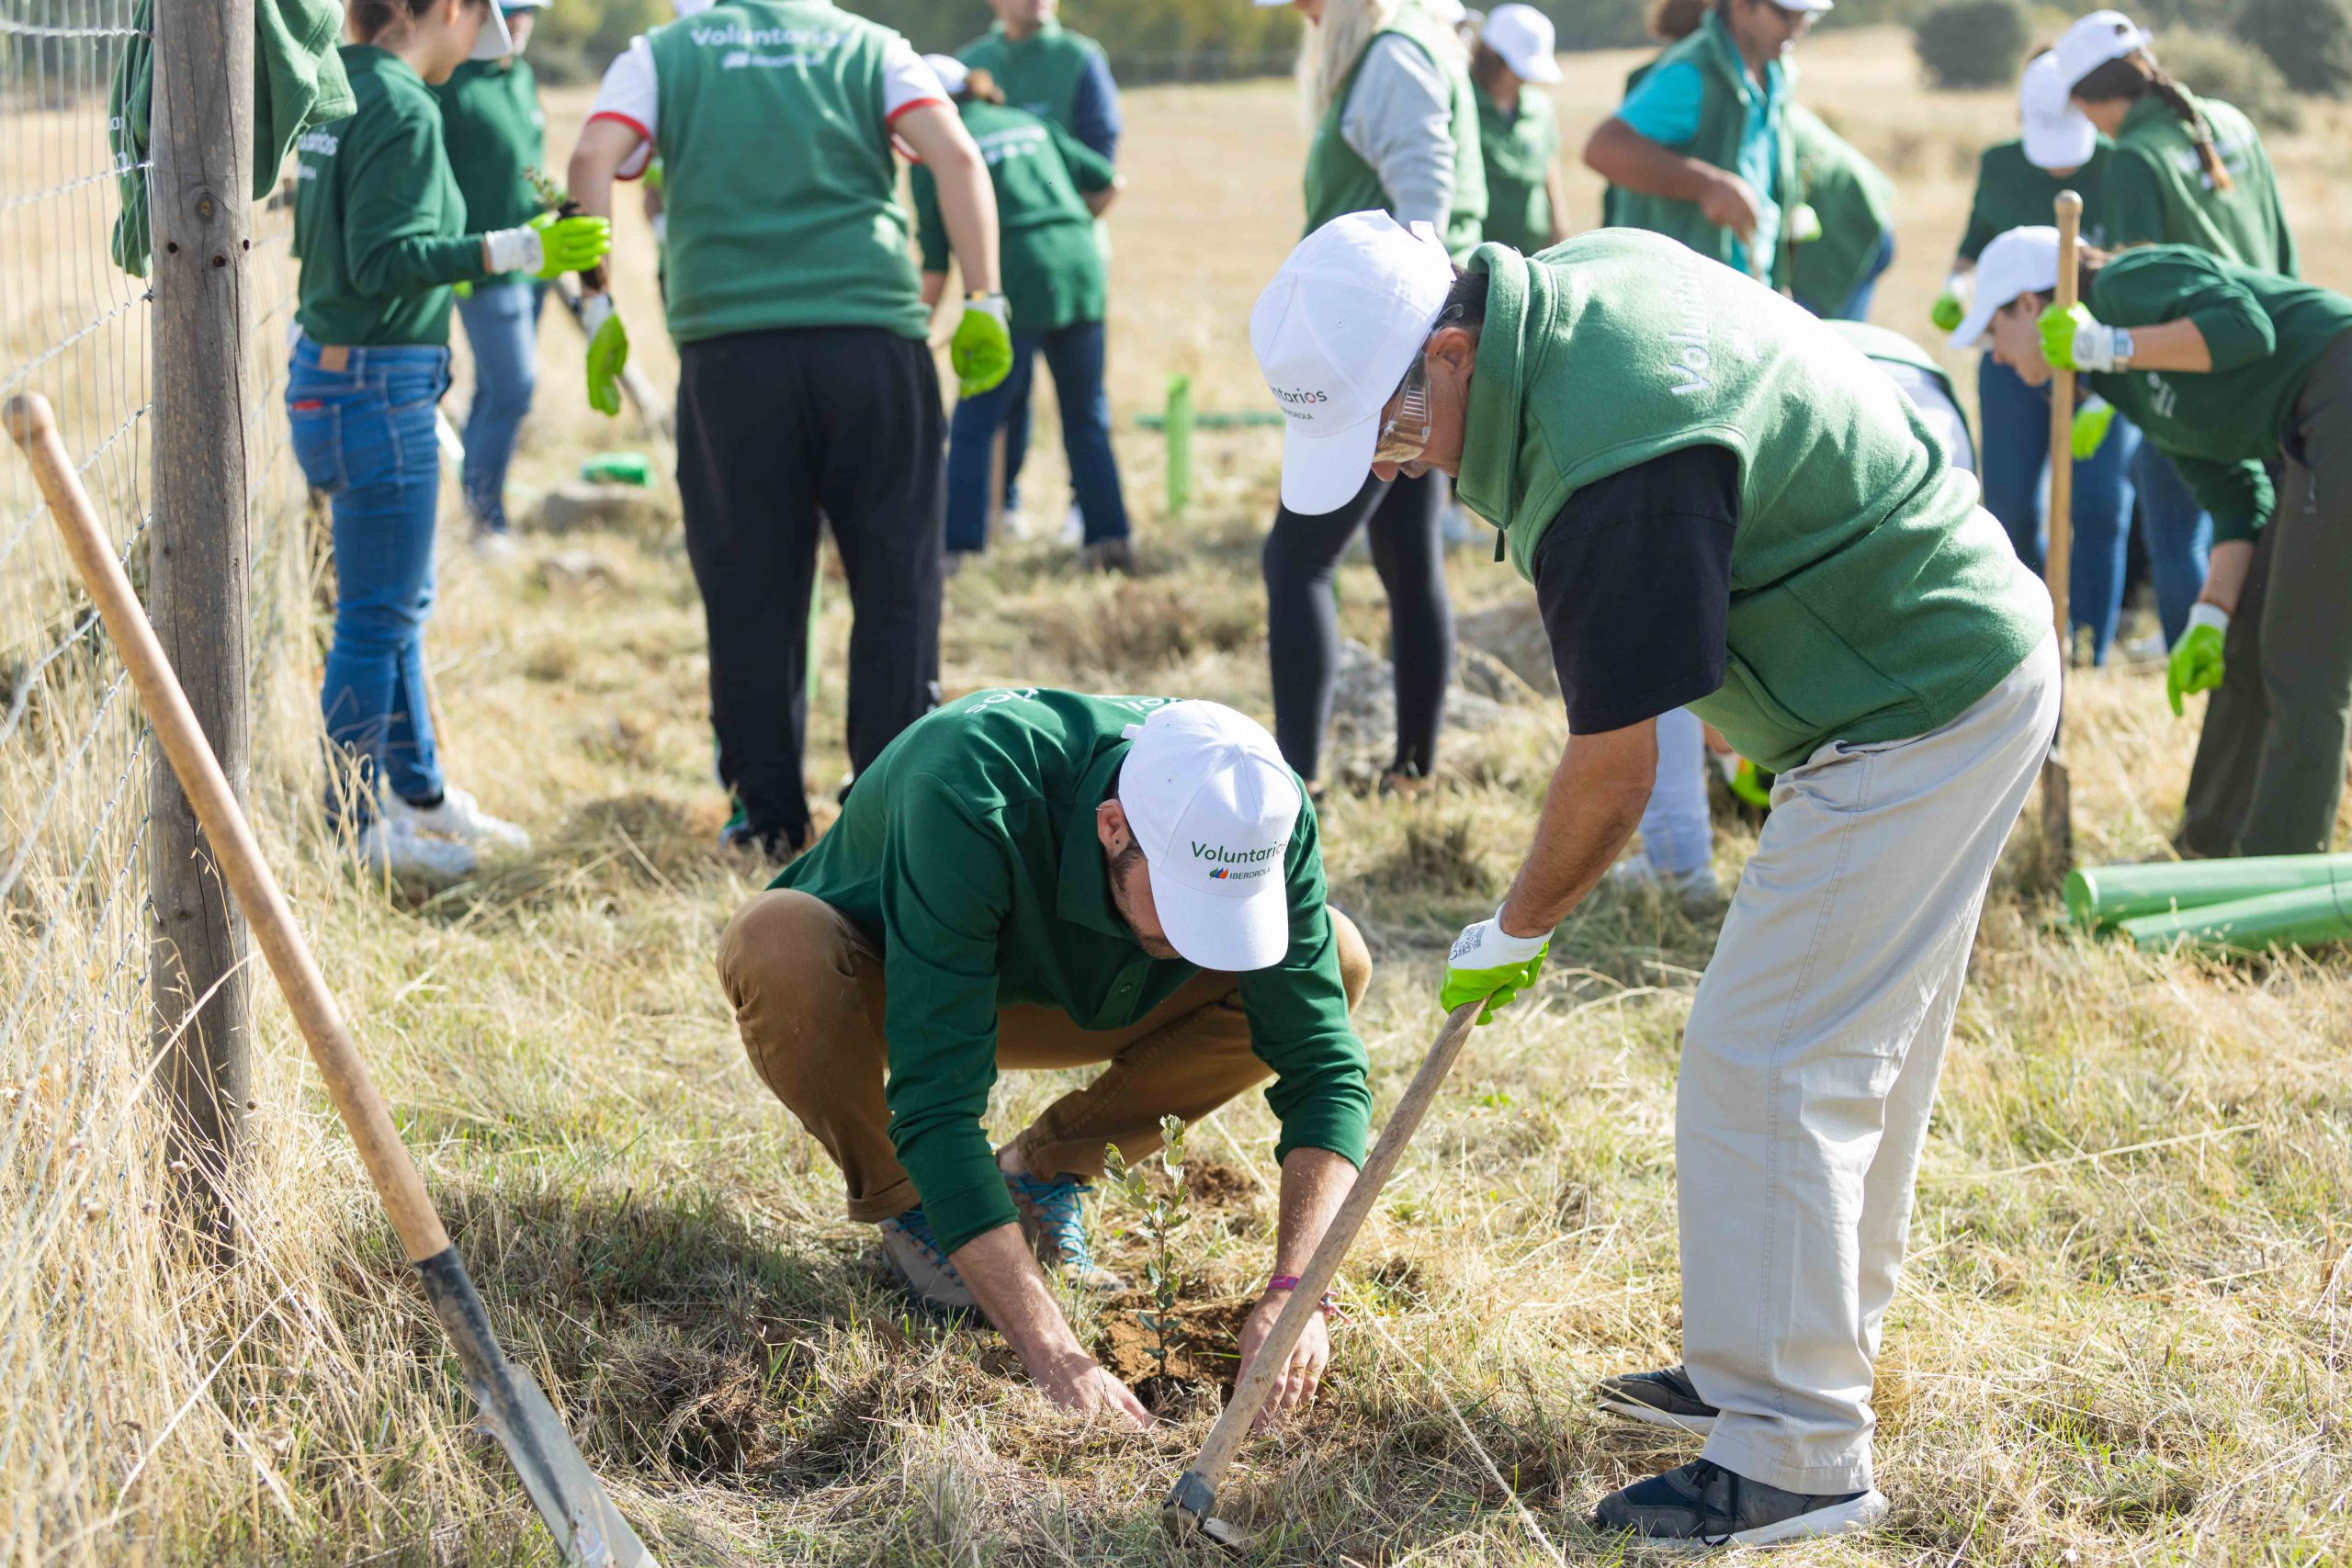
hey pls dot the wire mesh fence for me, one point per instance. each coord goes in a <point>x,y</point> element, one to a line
<point>94,1387</point>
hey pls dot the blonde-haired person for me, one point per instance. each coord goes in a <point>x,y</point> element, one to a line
<point>381,226</point>
<point>2187,170</point>
<point>1386,85</point>
<point>1518,131</point>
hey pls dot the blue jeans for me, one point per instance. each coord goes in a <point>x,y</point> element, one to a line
<point>2016,450</point>
<point>1074,354</point>
<point>2178,533</point>
<point>503,329</point>
<point>364,435</point>
<point>1857,307</point>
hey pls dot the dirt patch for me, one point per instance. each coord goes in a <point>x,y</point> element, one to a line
<point>1203,1346</point>
<point>1216,1186</point>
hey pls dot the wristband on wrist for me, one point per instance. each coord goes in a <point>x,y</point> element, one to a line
<point>1290,1283</point>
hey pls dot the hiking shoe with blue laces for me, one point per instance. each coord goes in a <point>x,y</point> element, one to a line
<point>1053,1219</point>
<point>914,1254</point>
<point>1664,1398</point>
<point>1702,1505</point>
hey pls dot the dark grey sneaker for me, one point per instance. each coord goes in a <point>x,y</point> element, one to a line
<point>1664,1398</point>
<point>1701,1506</point>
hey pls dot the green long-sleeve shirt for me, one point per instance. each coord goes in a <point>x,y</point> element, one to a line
<point>379,221</point>
<point>2264,331</point>
<point>2013,193</point>
<point>968,855</point>
<point>2157,193</point>
<point>494,128</point>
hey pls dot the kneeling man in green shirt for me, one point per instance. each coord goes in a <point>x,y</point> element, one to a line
<point>1035,878</point>
<point>1722,505</point>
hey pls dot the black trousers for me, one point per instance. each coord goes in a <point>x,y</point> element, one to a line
<point>1301,557</point>
<point>777,432</point>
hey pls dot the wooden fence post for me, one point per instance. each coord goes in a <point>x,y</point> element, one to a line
<point>199,555</point>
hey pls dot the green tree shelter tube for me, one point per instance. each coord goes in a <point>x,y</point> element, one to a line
<point>2110,895</point>
<point>2305,917</point>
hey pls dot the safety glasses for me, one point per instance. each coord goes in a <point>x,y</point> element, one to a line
<point>1405,434</point>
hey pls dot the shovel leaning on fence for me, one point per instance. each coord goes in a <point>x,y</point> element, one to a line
<point>588,1529</point>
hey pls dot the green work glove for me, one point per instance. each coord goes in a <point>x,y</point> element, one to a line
<point>1489,964</point>
<point>463,290</point>
<point>569,244</point>
<point>2074,339</point>
<point>608,352</point>
<point>982,350</point>
<point>1945,313</point>
<point>2092,422</point>
<point>2195,663</point>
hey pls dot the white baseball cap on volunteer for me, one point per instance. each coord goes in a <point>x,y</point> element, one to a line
<point>1815,7</point>
<point>1212,806</point>
<point>953,73</point>
<point>493,42</point>
<point>1334,333</point>
<point>2094,40</point>
<point>2057,134</point>
<point>1522,36</point>
<point>2023,261</point>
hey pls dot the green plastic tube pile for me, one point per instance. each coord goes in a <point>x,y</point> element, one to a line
<point>2226,906</point>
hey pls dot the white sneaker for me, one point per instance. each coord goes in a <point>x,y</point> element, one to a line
<point>492,545</point>
<point>1073,526</point>
<point>460,816</point>
<point>390,846</point>
<point>1636,871</point>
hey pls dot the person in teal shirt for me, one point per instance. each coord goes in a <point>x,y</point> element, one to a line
<point>382,233</point>
<point>1698,150</point>
<point>496,133</point>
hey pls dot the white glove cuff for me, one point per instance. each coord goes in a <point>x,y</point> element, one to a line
<point>2204,615</point>
<point>1960,286</point>
<point>596,309</point>
<point>1487,946</point>
<point>514,250</point>
<point>990,305</point>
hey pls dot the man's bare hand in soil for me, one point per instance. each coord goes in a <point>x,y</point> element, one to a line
<point>1003,1277</point>
<point>1302,1375</point>
<point>1080,1384</point>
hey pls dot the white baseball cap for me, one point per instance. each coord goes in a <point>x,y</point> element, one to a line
<point>1815,6</point>
<point>1334,333</point>
<point>2094,40</point>
<point>953,73</point>
<point>1522,36</point>
<point>2023,261</point>
<point>493,42</point>
<point>690,7</point>
<point>1212,806</point>
<point>2057,134</point>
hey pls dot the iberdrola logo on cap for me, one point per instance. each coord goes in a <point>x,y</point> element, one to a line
<point>1237,865</point>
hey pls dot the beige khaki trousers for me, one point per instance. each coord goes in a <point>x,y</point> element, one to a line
<point>807,992</point>
<point>1810,1063</point>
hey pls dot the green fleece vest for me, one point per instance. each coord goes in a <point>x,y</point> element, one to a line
<point>2158,194</point>
<point>1723,119</point>
<point>1855,203</point>
<point>1519,150</point>
<point>495,132</point>
<point>781,189</point>
<point>1339,181</point>
<point>1047,256</point>
<point>1040,72</point>
<point>1871,598</point>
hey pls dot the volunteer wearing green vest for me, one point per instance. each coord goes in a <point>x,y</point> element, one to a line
<point>806,385</point>
<point>2226,369</point>
<point>1669,22</point>
<point>2188,171</point>
<point>1519,131</point>
<point>1927,383</point>
<point>1387,89</point>
<point>381,231</point>
<point>1842,237</point>
<point>1035,878</point>
<point>495,131</point>
<point>1049,189</point>
<point>1720,506</point>
<point>2017,183</point>
<point>1698,150</point>
<point>1059,75</point>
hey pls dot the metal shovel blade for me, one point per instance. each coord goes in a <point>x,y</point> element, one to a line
<point>587,1529</point>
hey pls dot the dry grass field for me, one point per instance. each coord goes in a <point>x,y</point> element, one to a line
<point>2122,1337</point>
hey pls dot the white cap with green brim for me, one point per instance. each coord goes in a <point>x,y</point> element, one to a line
<point>1334,333</point>
<point>493,42</point>
<point>1213,807</point>
<point>1522,37</point>
<point>2057,134</point>
<point>2023,261</point>
<point>2094,40</point>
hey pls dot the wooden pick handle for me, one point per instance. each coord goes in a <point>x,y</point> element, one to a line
<point>34,428</point>
<point>2057,566</point>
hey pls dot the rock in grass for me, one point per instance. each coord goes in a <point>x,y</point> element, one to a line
<point>621,509</point>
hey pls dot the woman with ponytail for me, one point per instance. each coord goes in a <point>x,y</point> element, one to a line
<point>381,226</point>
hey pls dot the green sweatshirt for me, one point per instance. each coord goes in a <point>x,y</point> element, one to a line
<point>2157,193</point>
<point>968,855</point>
<point>1045,246</point>
<point>495,130</point>
<point>2265,332</point>
<point>2012,193</point>
<point>1519,148</point>
<point>1855,203</point>
<point>378,220</point>
<point>1339,181</point>
<point>1871,598</point>
<point>1041,72</point>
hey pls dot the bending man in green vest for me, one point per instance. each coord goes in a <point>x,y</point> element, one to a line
<point>1039,879</point>
<point>1720,507</point>
<point>1700,148</point>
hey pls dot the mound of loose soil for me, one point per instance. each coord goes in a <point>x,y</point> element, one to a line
<point>1203,1346</point>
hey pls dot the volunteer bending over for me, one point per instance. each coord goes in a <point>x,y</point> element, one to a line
<point>1036,879</point>
<point>2226,368</point>
<point>1720,506</point>
<point>380,228</point>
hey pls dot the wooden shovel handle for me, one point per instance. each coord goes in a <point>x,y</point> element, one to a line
<point>34,429</point>
<point>2057,565</point>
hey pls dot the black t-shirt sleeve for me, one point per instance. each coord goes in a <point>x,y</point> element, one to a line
<point>1633,581</point>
